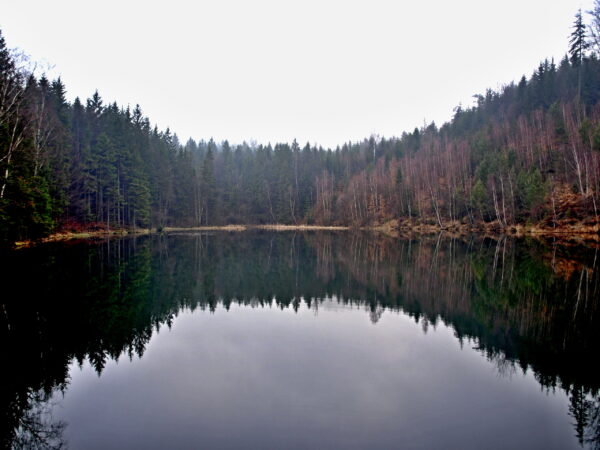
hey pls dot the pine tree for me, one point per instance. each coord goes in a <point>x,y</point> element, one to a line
<point>578,43</point>
<point>577,48</point>
<point>107,188</point>
<point>208,185</point>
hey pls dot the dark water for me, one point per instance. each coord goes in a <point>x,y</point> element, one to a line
<point>265,340</point>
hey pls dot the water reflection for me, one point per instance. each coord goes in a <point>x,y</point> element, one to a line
<point>524,305</point>
<point>36,426</point>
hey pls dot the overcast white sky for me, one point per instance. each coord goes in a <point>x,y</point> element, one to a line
<point>319,71</point>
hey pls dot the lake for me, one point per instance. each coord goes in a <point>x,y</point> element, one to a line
<point>300,340</point>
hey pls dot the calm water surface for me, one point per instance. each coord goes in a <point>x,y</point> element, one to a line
<point>283,340</point>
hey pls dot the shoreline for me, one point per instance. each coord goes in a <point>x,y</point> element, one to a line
<point>102,234</point>
<point>394,228</point>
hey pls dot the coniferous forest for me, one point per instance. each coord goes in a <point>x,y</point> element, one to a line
<point>528,153</point>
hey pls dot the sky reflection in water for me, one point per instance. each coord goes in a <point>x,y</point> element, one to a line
<point>370,343</point>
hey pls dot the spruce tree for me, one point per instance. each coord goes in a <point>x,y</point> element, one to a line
<point>577,42</point>
<point>208,185</point>
<point>577,47</point>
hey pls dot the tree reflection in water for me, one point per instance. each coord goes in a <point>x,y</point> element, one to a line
<point>523,305</point>
<point>36,427</point>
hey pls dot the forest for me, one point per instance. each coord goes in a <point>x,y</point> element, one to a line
<point>527,153</point>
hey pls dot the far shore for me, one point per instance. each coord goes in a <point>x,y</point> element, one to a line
<point>117,232</point>
<point>392,228</point>
<point>272,227</point>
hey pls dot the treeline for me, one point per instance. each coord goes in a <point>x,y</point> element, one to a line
<point>87,163</point>
<point>526,153</point>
